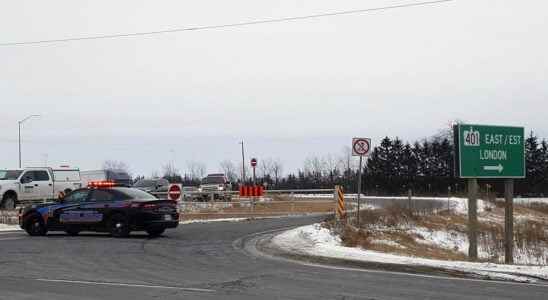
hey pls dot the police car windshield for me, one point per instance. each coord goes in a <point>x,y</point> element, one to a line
<point>136,194</point>
<point>10,174</point>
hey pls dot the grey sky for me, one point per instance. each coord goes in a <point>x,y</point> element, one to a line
<point>290,90</point>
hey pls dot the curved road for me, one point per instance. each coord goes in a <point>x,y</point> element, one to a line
<point>203,261</point>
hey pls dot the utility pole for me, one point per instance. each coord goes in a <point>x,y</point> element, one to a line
<point>21,123</point>
<point>243,162</point>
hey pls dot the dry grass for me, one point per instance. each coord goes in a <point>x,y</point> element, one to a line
<point>246,208</point>
<point>395,222</point>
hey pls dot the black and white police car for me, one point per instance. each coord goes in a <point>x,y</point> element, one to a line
<point>101,207</point>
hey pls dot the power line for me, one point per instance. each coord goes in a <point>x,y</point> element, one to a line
<point>209,27</point>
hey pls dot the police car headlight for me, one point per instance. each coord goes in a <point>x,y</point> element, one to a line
<point>199,189</point>
<point>221,188</point>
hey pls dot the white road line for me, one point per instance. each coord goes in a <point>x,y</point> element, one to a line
<point>126,285</point>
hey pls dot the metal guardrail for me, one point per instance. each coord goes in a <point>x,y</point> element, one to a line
<point>211,194</point>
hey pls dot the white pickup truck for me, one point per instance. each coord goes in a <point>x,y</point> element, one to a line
<point>21,186</point>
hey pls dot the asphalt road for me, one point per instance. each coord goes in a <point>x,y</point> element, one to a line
<point>204,261</point>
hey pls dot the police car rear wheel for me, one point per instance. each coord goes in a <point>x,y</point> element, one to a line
<point>119,226</point>
<point>155,232</point>
<point>35,226</point>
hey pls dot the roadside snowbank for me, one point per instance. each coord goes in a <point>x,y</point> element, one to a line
<point>4,227</point>
<point>315,240</point>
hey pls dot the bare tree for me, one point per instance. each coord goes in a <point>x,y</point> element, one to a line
<point>265,167</point>
<point>277,170</point>
<point>229,169</point>
<point>169,170</point>
<point>116,165</point>
<point>329,164</point>
<point>196,170</point>
<point>446,132</point>
<point>313,167</point>
<point>347,161</point>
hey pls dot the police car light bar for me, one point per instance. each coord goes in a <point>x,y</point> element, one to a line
<point>101,184</point>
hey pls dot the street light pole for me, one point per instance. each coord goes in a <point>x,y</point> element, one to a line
<point>19,131</point>
<point>243,162</point>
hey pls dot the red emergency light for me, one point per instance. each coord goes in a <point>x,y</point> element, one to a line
<point>101,184</point>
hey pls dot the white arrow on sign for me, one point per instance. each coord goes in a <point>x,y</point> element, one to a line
<point>498,168</point>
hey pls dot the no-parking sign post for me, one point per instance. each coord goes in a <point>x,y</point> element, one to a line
<point>360,147</point>
<point>253,165</point>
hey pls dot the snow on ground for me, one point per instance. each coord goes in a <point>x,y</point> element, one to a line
<point>460,205</point>
<point>4,227</point>
<point>452,240</point>
<point>530,200</point>
<point>318,241</point>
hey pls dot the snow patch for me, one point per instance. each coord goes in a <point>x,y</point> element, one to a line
<point>4,227</point>
<point>316,240</point>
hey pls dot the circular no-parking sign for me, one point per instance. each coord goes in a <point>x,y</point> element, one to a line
<point>174,192</point>
<point>361,146</point>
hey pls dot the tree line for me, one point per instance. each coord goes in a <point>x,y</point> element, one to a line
<point>394,167</point>
<point>424,167</point>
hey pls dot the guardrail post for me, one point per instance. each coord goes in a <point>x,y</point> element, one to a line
<point>409,197</point>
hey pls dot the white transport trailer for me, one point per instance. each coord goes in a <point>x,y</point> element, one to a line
<point>119,177</point>
<point>21,186</point>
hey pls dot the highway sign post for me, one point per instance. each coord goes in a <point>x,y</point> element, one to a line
<point>360,147</point>
<point>494,152</point>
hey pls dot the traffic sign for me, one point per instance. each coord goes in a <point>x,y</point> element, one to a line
<point>174,192</point>
<point>484,151</point>
<point>361,146</point>
<point>253,162</point>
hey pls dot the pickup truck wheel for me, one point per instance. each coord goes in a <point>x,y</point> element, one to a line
<point>35,226</point>
<point>155,232</point>
<point>9,202</point>
<point>119,226</point>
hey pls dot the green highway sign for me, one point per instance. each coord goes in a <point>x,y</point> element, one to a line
<point>484,151</point>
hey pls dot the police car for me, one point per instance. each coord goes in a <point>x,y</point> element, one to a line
<point>101,207</point>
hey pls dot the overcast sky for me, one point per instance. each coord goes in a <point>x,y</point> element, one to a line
<point>290,90</point>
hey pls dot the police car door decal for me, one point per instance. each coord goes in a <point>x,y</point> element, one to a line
<point>81,214</point>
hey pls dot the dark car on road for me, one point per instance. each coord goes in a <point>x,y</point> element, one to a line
<point>101,207</point>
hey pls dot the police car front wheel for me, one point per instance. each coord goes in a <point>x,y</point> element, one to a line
<point>119,226</point>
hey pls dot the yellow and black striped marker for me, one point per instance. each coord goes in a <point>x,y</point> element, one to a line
<point>340,208</point>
